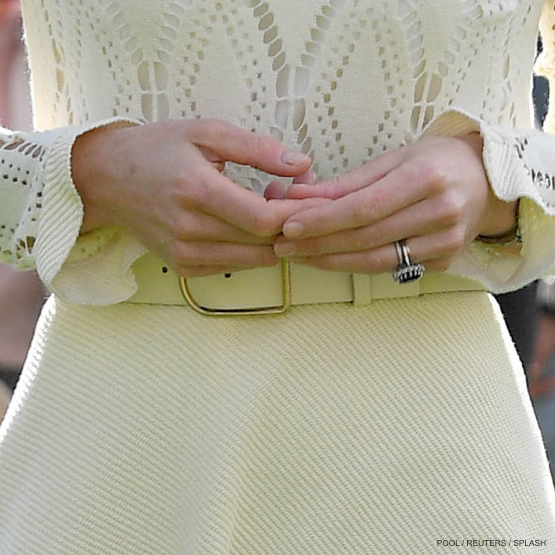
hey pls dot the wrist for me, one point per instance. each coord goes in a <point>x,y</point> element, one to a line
<point>507,242</point>
<point>94,159</point>
<point>500,221</point>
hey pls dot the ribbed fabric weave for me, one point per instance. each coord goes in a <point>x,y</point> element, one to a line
<point>380,430</point>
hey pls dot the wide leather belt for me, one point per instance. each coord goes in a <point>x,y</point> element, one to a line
<point>274,290</point>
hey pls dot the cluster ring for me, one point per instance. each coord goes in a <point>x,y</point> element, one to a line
<point>406,271</point>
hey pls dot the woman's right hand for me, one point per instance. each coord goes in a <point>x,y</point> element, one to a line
<point>163,182</point>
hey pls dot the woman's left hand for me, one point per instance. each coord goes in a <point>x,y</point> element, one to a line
<point>434,194</point>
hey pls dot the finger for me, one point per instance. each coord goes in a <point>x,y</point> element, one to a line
<point>278,190</point>
<point>352,181</point>
<point>435,251</point>
<point>397,190</point>
<point>222,198</point>
<point>229,255</point>
<point>204,227</point>
<point>275,190</point>
<point>213,158</point>
<point>307,178</point>
<point>246,147</point>
<point>438,250</point>
<point>421,218</point>
<point>376,261</point>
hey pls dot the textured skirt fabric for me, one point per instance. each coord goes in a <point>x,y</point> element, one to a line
<point>330,430</point>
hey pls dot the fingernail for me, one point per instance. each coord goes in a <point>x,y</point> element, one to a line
<point>294,158</point>
<point>292,229</point>
<point>285,249</point>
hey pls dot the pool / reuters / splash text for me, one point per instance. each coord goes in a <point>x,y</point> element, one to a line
<point>491,543</point>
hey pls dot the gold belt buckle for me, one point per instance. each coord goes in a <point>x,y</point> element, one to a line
<point>286,304</point>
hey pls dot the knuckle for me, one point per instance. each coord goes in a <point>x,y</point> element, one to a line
<point>259,146</point>
<point>455,240</point>
<point>372,237</point>
<point>451,209</point>
<point>376,262</point>
<point>181,183</point>
<point>192,191</point>
<point>178,230</point>
<point>367,210</point>
<point>264,225</point>
<point>430,172</point>
<point>184,255</point>
<point>259,143</point>
<point>268,259</point>
<point>172,248</point>
<point>214,128</point>
<point>200,197</point>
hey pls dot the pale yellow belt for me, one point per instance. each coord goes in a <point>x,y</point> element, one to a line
<point>273,290</point>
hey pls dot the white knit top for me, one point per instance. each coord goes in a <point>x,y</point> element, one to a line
<point>345,81</point>
<point>147,430</point>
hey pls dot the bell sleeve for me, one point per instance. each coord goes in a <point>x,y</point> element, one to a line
<point>520,165</point>
<point>41,215</point>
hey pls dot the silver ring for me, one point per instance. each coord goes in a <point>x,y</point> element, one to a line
<point>406,271</point>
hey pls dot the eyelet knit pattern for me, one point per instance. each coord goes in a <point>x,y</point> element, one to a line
<point>348,82</point>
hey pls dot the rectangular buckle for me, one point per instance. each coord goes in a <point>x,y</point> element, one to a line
<point>205,311</point>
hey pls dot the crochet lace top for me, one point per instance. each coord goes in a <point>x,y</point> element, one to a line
<point>342,80</point>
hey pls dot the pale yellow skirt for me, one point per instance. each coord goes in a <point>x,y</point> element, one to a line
<point>330,430</point>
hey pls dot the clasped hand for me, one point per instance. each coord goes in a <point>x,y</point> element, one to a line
<point>434,194</point>
<point>164,183</point>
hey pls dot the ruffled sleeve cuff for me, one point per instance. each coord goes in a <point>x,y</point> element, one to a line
<point>520,165</point>
<point>89,269</point>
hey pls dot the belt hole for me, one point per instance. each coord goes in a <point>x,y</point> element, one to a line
<point>165,269</point>
<point>227,276</point>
